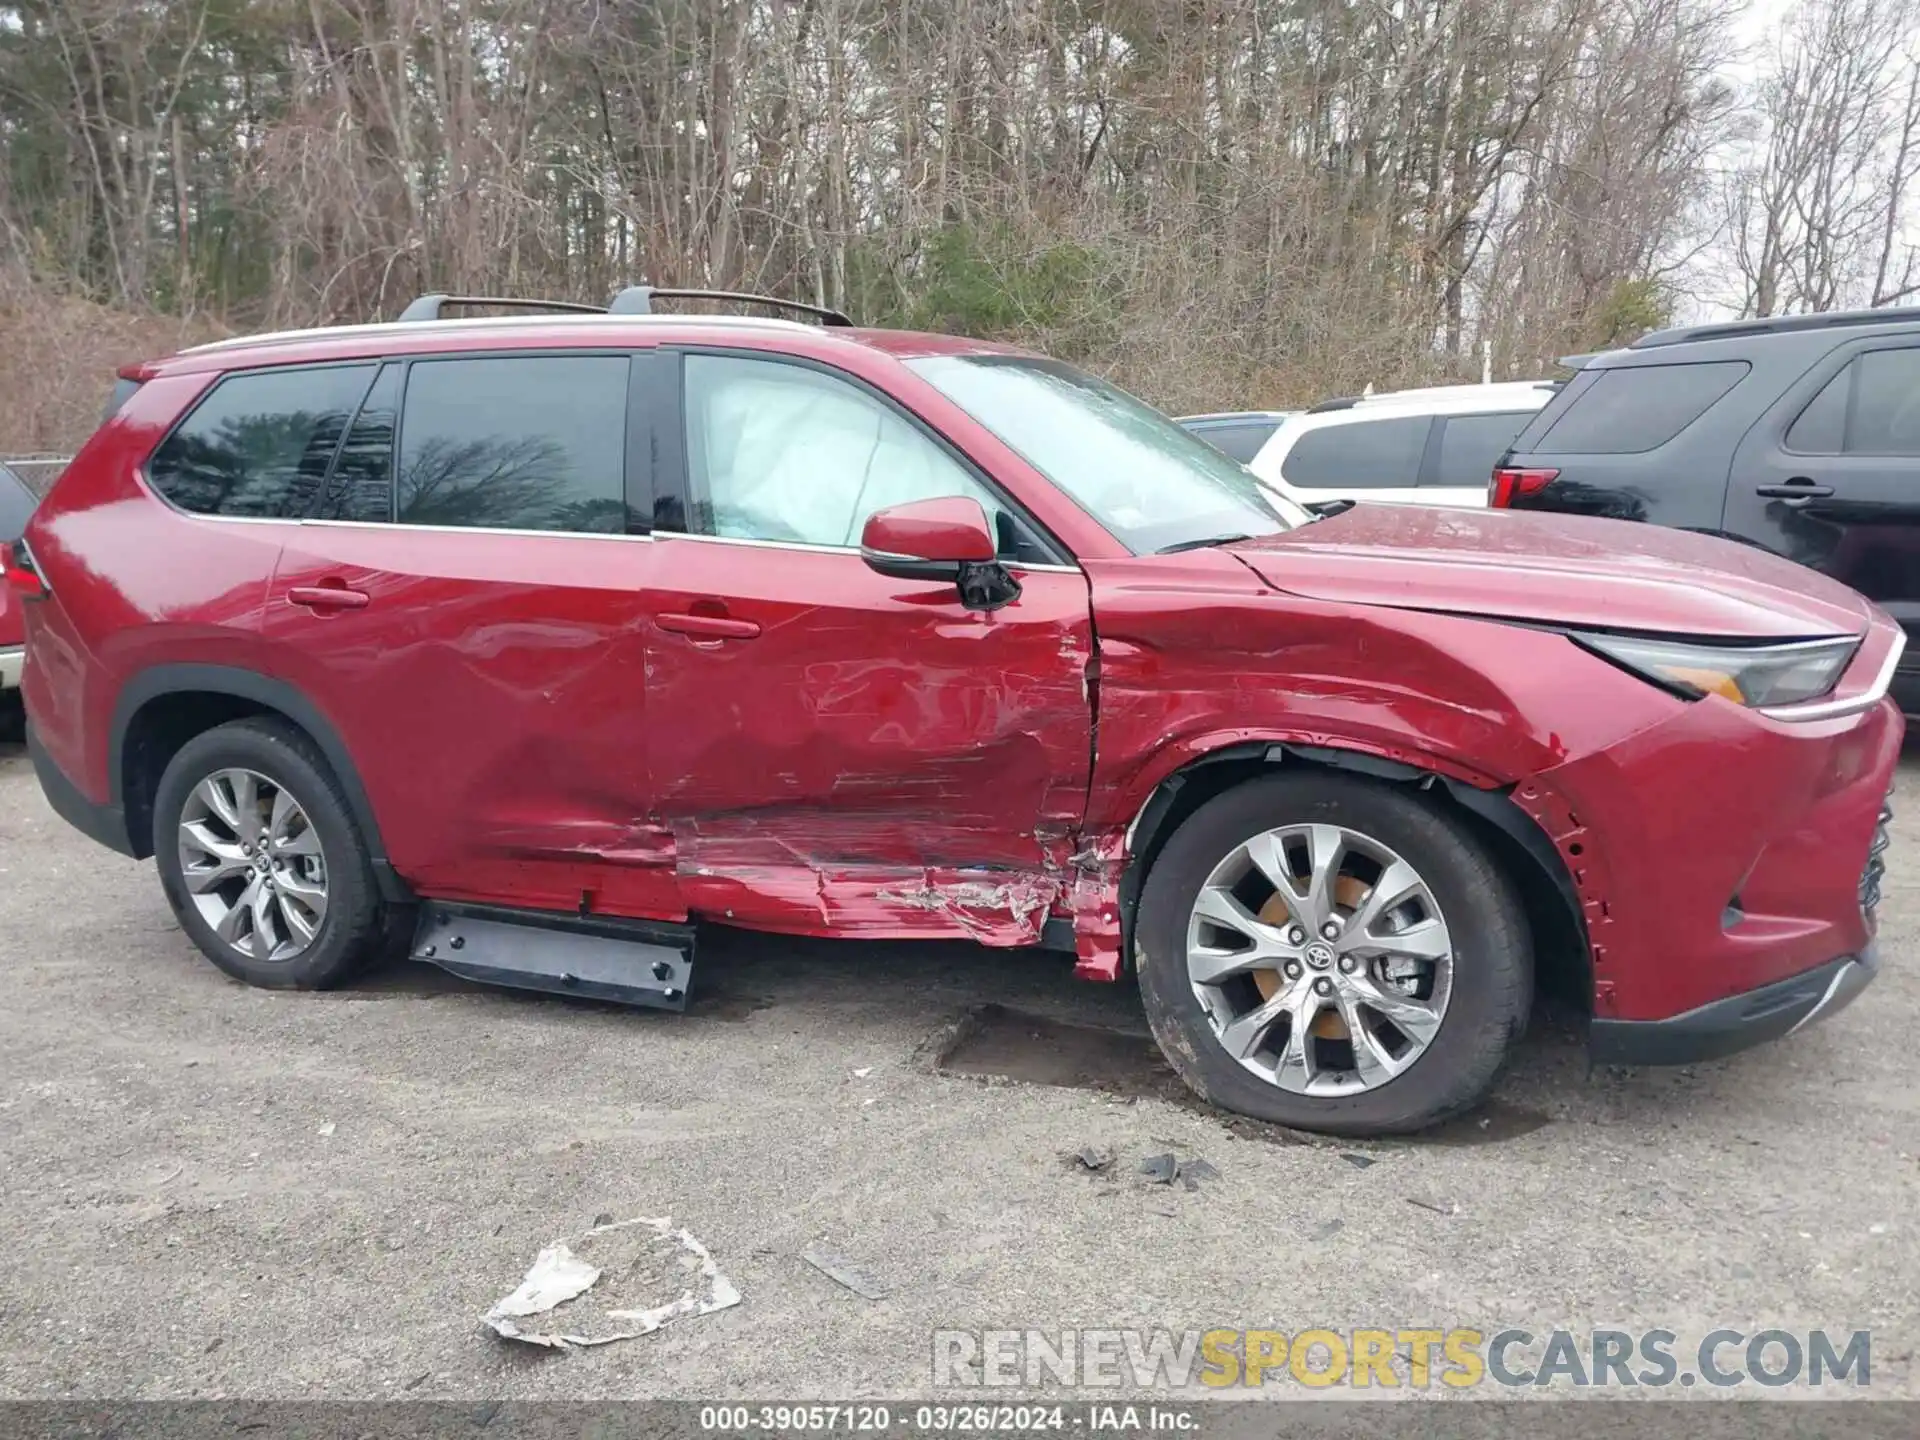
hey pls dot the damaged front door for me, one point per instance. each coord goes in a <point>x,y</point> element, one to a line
<point>835,751</point>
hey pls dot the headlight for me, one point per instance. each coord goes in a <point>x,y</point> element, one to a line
<point>1754,675</point>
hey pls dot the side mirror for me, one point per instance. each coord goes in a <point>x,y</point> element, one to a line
<point>947,539</point>
<point>927,539</point>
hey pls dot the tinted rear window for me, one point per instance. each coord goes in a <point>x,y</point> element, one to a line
<point>1367,454</point>
<point>516,444</point>
<point>260,443</point>
<point>1471,445</point>
<point>1630,411</point>
<point>362,484</point>
<point>16,504</point>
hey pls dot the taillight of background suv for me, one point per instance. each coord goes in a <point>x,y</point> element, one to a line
<point>1513,482</point>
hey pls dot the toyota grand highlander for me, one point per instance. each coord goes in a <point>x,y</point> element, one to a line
<point>540,640</point>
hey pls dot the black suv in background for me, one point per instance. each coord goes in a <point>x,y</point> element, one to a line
<point>1799,433</point>
<point>1238,434</point>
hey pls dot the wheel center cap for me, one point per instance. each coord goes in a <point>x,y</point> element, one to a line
<point>1319,956</point>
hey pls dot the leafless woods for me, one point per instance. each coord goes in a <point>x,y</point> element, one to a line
<point>1218,201</point>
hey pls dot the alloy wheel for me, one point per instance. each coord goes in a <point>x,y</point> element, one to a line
<point>1321,958</point>
<point>253,865</point>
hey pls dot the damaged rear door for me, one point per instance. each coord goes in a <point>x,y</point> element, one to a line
<point>834,751</point>
<point>466,605</point>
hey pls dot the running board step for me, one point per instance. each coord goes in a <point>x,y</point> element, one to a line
<point>633,962</point>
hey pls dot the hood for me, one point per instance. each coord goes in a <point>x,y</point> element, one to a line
<point>1561,569</point>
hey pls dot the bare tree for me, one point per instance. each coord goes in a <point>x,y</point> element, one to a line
<point>1219,202</point>
<point>1819,215</point>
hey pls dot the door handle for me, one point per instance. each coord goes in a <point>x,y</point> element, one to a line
<point>327,597</point>
<point>707,627</point>
<point>1798,488</point>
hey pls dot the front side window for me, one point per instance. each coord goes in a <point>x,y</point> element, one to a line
<point>533,442</point>
<point>1631,410</point>
<point>1359,455</point>
<point>1872,407</point>
<point>1154,485</point>
<point>1885,416</point>
<point>783,452</point>
<point>260,443</point>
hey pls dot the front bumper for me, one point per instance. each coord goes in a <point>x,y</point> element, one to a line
<point>11,660</point>
<point>1721,852</point>
<point>1723,1027</point>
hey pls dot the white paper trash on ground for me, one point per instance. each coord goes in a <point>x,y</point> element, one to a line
<point>648,1273</point>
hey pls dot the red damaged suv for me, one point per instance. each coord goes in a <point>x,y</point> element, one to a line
<point>542,639</point>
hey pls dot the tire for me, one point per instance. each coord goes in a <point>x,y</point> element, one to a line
<point>349,930</point>
<point>1489,989</point>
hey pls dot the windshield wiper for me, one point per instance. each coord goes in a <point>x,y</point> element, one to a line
<point>1201,544</point>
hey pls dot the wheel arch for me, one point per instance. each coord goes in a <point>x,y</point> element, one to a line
<point>1554,913</point>
<point>161,708</point>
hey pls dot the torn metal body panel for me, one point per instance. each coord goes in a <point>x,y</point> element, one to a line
<point>874,761</point>
<point>879,902</point>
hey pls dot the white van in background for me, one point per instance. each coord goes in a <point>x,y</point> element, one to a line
<point>1435,446</point>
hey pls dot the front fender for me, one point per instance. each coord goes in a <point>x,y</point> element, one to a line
<point>1187,671</point>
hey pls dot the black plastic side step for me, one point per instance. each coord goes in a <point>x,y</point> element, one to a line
<point>633,962</point>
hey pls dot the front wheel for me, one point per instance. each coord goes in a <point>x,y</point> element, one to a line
<point>261,860</point>
<point>1332,953</point>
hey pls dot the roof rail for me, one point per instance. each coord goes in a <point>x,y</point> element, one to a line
<point>1772,324</point>
<point>633,300</point>
<point>638,300</point>
<point>428,307</point>
<point>1344,402</point>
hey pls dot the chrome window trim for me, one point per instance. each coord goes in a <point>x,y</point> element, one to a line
<point>198,515</point>
<point>464,529</point>
<point>853,550</point>
<point>401,525</point>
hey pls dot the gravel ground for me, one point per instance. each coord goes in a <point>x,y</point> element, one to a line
<point>215,1191</point>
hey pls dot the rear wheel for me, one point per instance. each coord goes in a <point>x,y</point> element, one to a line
<point>1332,953</point>
<point>261,860</point>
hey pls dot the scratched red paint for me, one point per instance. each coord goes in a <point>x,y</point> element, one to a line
<point>880,761</point>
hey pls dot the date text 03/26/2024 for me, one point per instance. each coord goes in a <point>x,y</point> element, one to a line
<point>946,1419</point>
